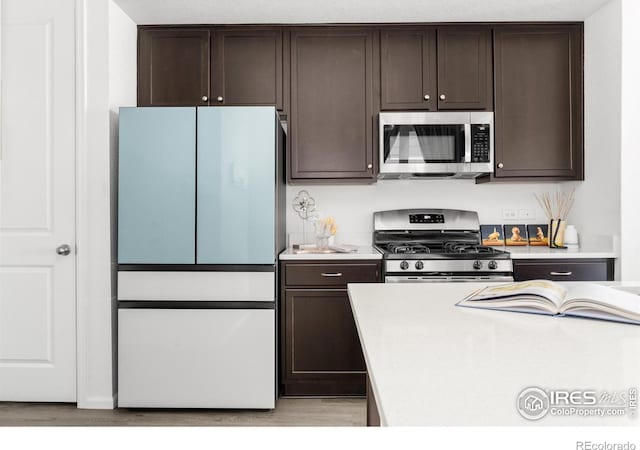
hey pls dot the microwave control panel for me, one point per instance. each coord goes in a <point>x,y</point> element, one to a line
<point>480,142</point>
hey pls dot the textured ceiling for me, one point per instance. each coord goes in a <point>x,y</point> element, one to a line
<point>354,11</point>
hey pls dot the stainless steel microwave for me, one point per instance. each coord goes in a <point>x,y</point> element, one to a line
<point>435,144</point>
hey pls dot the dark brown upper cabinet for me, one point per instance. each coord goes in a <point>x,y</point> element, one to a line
<point>429,68</point>
<point>408,68</point>
<point>214,66</point>
<point>173,67</point>
<point>332,104</point>
<point>464,68</point>
<point>247,67</point>
<point>539,97</point>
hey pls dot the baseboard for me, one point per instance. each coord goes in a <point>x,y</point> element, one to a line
<point>98,403</point>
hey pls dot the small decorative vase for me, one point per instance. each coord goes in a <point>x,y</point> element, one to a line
<point>556,233</point>
<point>322,241</point>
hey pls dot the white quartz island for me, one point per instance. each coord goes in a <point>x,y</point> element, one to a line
<point>433,363</point>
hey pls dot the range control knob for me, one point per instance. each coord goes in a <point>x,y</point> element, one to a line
<point>404,265</point>
<point>477,265</point>
<point>419,265</point>
<point>493,265</point>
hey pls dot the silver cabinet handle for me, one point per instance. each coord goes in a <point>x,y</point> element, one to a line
<point>442,96</point>
<point>336,274</point>
<point>369,166</point>
<point>426,96</point>
<point>63,250</point>
<point>500,166</point>
<point>561,274</point>
<point>205,98</point>
<point>220,98</point>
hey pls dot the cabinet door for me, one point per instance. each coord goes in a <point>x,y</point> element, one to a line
<point>156,186</point>
<point>408,68</point>
<point>321,343</point>
<point>538,114</point>
<point>247,67</point>
<point>464,68</point>
<point>331,104</point>
<point>236,185</point>
<point>173,67</point>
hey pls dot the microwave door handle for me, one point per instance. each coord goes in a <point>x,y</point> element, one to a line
<point>467,142</point>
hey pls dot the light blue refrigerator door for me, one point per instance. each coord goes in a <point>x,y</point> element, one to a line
<point>236,185</point>
<point>157,176</point>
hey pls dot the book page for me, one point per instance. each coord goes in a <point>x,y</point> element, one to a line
<point>602,298</point>
<point>543,289</point>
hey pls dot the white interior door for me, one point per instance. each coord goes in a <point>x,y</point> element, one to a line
<point>37,201</point>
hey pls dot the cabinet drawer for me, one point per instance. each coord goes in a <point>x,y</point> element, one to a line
<point>564,270</point>
<point>330,274</point>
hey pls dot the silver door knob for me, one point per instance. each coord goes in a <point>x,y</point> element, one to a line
<point>220,99</point>
<point>500,165</point>
<point>369,166</point>
<point>205,98</point>
<point>442,96</point>
<point>426,96</point>
<point>63,250</point>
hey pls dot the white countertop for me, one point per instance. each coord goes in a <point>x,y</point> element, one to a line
<point>592,250</point>
<point>432,363</point>
<point>363,252</point>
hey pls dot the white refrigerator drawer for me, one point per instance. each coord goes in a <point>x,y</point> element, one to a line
<point>196,358</point>
<point>196,286</point>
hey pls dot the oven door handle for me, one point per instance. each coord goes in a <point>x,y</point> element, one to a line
<point>467,142</point>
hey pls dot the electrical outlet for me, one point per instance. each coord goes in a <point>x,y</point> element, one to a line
<point>509,214</point>
<point>526,214</point>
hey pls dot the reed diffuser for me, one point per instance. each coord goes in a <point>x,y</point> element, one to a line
<point>557,207</point>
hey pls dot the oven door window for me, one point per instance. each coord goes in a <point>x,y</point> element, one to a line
<point>415,144</point>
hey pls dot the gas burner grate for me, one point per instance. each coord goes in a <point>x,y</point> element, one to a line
<point>466,248</point>
<point>407,248</point>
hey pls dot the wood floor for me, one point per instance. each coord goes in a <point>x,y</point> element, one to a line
<point>288,412</point>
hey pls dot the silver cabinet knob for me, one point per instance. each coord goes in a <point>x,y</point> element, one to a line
<point>426,96</point>
<point>220,99</point>
<point>369,166</point>
<point>63,250</point>
<point>443,97</point>
<point>205,98</point>
<point>500,165</point>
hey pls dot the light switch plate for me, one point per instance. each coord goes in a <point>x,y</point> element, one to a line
<point>527,214</point>
<point>509,214</point>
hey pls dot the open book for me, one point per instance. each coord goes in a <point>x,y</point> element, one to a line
<point>546,297</point>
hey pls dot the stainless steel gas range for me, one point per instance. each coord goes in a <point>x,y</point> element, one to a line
<point>427,245</point>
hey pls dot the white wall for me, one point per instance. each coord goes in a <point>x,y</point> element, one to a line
<point>94,252</point>
<point>106,77</point>
<point>352,206</point>
<point>597,207</point>
<point>123,36</point>
<point>630,147</point>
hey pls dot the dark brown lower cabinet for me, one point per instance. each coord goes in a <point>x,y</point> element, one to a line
<point>563,269</point>
<point>320,349</point>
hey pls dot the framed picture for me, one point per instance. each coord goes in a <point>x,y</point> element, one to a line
<point>491,234</point>
<point>515,235</point>
<point>538,235</point>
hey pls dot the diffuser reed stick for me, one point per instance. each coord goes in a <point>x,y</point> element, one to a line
<point>556,207</point>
